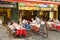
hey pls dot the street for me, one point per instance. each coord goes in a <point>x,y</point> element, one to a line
<point>52,35</point>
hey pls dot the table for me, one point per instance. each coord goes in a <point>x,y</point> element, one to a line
<point>21,32</point>
<point>35,28</point>
<point>58,26</point>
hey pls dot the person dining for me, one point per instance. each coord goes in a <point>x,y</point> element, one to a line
<point>19,29</point>
<point>56,21</point>
<point>16,25</point>
<point>23,21</point>
<point>35,25</point>
<point>33,21</point>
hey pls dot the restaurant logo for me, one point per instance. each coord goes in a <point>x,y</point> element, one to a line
<point>43,5</point>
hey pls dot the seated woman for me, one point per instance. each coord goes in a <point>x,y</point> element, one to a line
<point>24,22</point>
<point>16,25</point>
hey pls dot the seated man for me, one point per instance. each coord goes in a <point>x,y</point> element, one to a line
<point>27,26</point>
<point>12,28</point>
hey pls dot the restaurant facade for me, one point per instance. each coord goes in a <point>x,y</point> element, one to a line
<point>28,9</point>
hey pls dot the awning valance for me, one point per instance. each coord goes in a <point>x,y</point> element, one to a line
<point>37,1</point>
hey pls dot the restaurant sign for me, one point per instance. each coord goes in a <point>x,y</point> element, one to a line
<point>28,8</point>
<point>6,5</point>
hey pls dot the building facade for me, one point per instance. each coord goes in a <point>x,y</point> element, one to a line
<point>8,11</point>
<point>28,9</point>
<point>31,10</point>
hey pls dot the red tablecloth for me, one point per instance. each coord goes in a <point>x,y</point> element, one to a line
<point>35,28</point>
<point>21,32</point>
<point>53,25</point>
<point>58,27</point>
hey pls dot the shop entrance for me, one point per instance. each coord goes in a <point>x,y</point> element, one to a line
<point>28,14</point>
<point>45,15</point>
<point>4,14</point>
<point>55,14</point>
<point>59,12</point>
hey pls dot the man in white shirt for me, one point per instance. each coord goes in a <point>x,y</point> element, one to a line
<point>37,20</point>
<point>33,21</point>
<point>23,21</point>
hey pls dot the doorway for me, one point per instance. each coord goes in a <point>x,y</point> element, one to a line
<point>28,14</point>
<point>4,14</point>
<point>59,12</point>
<point>45,15</point>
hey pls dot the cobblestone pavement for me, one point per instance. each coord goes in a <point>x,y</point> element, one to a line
<point>52,35</point>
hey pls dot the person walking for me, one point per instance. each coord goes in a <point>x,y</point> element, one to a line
<point>42,25</point>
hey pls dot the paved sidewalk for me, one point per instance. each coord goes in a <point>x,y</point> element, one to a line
<point>53,35</point>
<point>5,36</point>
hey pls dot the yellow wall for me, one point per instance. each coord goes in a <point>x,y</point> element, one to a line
<point>51,15</point>
<point>41,13</point>
<point>7,11</point>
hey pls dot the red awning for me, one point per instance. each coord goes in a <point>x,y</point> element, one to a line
<point>36,1</point>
